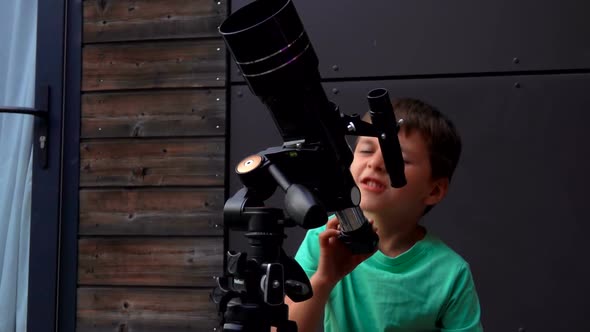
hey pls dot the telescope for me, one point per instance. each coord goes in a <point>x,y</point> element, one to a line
<point>274,54</point>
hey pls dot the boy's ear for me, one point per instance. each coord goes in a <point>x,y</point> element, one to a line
<point>438,191</point>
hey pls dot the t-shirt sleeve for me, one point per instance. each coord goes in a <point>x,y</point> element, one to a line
<point>309,251</point>
<point>462,312</point>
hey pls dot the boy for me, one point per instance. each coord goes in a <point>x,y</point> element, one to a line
<point>413,282</point>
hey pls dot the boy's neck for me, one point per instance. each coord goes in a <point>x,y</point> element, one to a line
<point>395,239</point>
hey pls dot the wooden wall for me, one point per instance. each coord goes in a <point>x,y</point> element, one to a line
<point>152,165</point>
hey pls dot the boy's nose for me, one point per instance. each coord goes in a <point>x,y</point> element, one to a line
<point>376,162</point>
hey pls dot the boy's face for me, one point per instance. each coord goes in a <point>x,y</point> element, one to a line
<point>377,195</point>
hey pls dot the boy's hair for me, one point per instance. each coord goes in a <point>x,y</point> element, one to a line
<point>441,136</point>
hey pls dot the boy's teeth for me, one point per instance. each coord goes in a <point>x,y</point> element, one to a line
<point>373,184</point>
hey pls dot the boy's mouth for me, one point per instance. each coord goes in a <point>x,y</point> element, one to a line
<point>373,184</point>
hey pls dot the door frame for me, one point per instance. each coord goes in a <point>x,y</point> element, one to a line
<point>54,206</point>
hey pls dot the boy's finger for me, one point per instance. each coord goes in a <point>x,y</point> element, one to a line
<point>326,235</point>
<point>332,223</point>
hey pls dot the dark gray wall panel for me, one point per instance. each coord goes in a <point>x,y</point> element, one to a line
<point>516,208</point>
<point>424,37</point>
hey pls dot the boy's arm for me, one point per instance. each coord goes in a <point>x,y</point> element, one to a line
<point>308,314</point>
<point>335,261</point>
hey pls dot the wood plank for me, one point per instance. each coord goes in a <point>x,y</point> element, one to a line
<point>184,262</point>
<point>153,113</point>
<point>145,310</point>
<point>118,20</point>
<point>152,212</point>
<point>145,65</point>
<point>141,162</point>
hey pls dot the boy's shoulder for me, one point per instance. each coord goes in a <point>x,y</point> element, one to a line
<point>440,250</point>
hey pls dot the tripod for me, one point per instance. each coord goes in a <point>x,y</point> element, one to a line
<point>251,295</point>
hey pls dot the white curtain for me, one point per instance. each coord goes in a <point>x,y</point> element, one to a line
<point>18,39</point>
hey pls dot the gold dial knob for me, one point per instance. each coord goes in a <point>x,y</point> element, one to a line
<point>248,164</point>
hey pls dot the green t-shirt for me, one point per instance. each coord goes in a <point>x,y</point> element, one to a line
<point>427,288</point>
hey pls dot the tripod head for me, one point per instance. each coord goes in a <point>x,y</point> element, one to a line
<point>277,60</point>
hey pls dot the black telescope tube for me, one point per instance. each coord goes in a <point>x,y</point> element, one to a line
<point>273,52</point>
<point>270,46</point>
<point>384,122</point>
<point>262,32</point>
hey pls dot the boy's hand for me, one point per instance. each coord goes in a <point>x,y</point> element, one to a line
<point>336,260</point>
